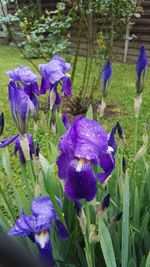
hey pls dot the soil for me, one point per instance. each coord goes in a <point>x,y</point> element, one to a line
<point>75,106</point>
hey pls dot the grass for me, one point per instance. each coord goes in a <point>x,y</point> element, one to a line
<point>121,93</point>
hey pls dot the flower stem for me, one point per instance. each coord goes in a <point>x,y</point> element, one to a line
<point>32,171</point>
<point>88,247</point>
<point>135,146</point>
<point>26,182</point>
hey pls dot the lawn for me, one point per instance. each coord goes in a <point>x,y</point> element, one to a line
<point>121,93</point>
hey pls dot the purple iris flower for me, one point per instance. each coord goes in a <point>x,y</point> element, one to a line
<point>37,226</point>
<point>54,73</point>
<point>83,145</point>
<point>22,109</point>
<point>21,106</point>
<point>106,77</point>
<point>26,78</point>
<point>1,123</point>
<point>141,67</point>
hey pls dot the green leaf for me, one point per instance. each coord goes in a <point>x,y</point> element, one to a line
<point>59,125</point>
<point>132,263</point>
<point>125,222</point>
<point>106,245</point>
<point>136,209</point>
<point>148,260</point>
<point>51,193</point>
<point>45,164</point>
<point>89,113</point>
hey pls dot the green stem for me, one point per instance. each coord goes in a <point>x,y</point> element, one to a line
<point>26,182</point>
<point>32,171</point>
<point>135,146</point>
<point>88,246</point>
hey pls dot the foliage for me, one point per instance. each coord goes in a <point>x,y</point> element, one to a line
<point>39,34</point>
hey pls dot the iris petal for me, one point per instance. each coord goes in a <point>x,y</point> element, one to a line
<point>80,183</point>
<point>107,162</point>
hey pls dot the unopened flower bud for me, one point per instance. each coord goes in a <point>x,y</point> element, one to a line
<point>116,218</point>
<point>143,148</point>
<point>137,105</point>
<point>120,132</point>
<point>93,236</point>
<point>25,147</point>
<point>82,221</point>
<point>105,202</point>
<point>124,164</point>
<point>52,97</point>
<point>77,206</point>
<point>1,123</point>
<point>102,108</point>
<point>101,208</point>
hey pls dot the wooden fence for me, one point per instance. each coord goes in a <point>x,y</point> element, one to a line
<point>140,31</point>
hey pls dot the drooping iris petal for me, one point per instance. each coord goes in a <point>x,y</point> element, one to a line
<point>21,106</point>
<point>20,228</point>
<point>106,77</point>
<point>1,123</point>
<point>81,181</point>
<point>45,249</point>
<point>45,85</point>
<point>29,89</point>
<point>107,162</point>
<point>8,141</point>
<point>66,85</point>
<point>141,66</point>
<point>61,229</point>
<point>22,74</point>
<point>65,120</point>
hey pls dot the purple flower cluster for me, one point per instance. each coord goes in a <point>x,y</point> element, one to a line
<point>23,91</point>
<point>84,145</point>
<point>38,224</point>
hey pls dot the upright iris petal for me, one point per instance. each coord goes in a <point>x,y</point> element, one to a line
<point>53,73</point>
<point>106,77</point>
<point>21,106</point>
<point>1,123</point>
<point>22,74</point>
<point>141,67</point>
<point>38,226</point>
<point>83,145</point>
